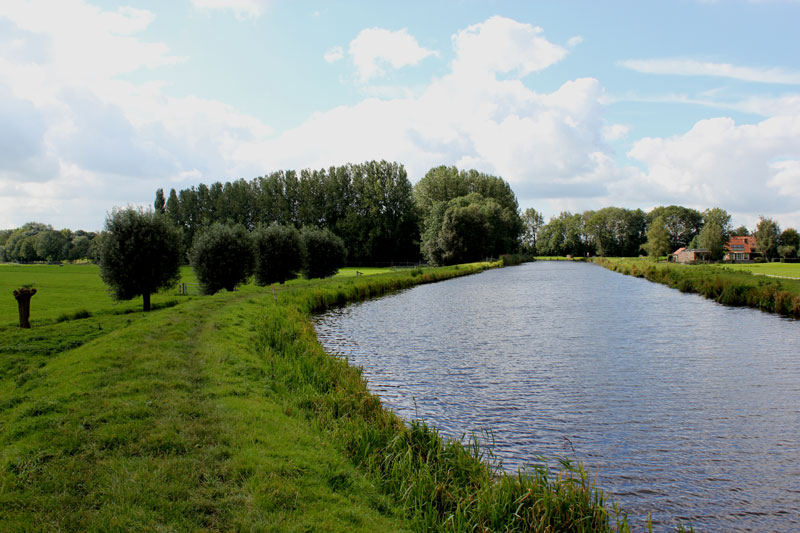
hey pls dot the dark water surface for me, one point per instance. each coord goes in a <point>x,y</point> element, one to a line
<point>686,409</point>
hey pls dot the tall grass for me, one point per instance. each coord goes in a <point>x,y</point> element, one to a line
<point>442,484</point>
<point>729,287</point>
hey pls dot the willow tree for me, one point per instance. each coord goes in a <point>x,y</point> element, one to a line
<point>140,254</point>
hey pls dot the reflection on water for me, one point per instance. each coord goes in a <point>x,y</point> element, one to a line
<point>687,410</point>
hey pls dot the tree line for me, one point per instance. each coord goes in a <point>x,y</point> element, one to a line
<point>35,241</point>
<point>620,232</point>
<point>450,216</point>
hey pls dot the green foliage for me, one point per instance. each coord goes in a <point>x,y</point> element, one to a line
<point>790,237</point>
<point>767,235</point>
<point>681,223</point>
<point>140,254</point>
<point>532,221</point>
<point>40,242</point>
<point>278,253</point>
<point>222,257</point>
<point>323,253</point>
<point>741,231</point>
<point>658,239</point>
<point>713,238</point>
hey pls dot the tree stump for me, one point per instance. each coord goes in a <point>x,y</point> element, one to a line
<point>23,296</point>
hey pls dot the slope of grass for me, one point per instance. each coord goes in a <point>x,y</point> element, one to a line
<point>225,413</point>
<point>719,283</point>
<point>787,270</point>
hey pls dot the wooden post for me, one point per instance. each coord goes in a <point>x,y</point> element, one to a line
<point>23,296</point>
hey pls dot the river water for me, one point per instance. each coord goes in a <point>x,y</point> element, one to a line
<point>687,410</point>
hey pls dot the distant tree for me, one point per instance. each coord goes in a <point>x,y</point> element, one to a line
<point>741,231</point>
<point>222,257</point>
<point>50,245</point>
<point>767,235</point>
<point>787,251</point>
<point>278,253</point>
<point>81,248</point>
<point>658,239</point>
<point>139,255</point>
<point>160,202</point>
<point>682,223</point>
<point>712,237</point>
<point>323,253</point>
<point>790,237</point>
<point>721,218</point>
<point>532,221</point>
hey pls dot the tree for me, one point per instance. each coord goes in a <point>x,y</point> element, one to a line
<point>532,221</point>
<point>278,253</point>
<point>682,223</point>
<point>324,253</point>
<point>139,255</point>
<point>713,238</point>
<point>222,257</point>
<point>658,239</point>
<point>50,245</point>
<point>741,231</point>
<point>160,204</point>
<point>767,235</point>
<point>789,243</point>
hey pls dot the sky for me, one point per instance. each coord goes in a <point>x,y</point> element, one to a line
<point>577,104</point>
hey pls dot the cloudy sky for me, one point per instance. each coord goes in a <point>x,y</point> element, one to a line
<point>578,104</point>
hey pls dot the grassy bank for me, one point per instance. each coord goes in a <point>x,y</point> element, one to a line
<point>224,412</point>
<point>724,285</point>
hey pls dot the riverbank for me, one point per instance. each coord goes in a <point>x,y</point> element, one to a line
<point>224,412</point>
<point>725,286</point>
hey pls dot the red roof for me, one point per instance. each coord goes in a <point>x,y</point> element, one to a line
<point>679,250</point>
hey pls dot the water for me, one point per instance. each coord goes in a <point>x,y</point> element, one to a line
<point>686,409</point>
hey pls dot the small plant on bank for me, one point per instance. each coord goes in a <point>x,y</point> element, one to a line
<point>222,258</point>
<point>278,253</point>
<point>324,253</point>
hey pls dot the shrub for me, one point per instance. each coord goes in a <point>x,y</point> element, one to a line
<point>278,253</point>
<point>324,253</point>
<point>222,257</point>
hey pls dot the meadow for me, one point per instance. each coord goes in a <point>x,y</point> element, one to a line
<point>785,270</point>
<point>223,412</point>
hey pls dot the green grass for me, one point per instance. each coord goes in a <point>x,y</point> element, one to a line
<point>721,283</point>
<point>788,270</point>
<point>225,413</point>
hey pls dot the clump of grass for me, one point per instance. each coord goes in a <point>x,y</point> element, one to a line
<point>77,315</point>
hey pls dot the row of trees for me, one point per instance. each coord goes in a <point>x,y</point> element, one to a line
<point>449,216</point>
<point>370,206</point>
<point>141,254</point>
<point>40,242</point>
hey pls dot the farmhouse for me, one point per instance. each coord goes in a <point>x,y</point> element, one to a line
<point>690,255</point>
<point>743,248</point>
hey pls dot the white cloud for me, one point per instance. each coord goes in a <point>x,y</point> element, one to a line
<point>614,132</point>
<point>375,48</point>
<point>242,9</point>
<point>720,163</point>
<point>691,67</point>
<point>574,41</point>
<point>333,54</point>
<point>75,140</point>
<point>502,45</point>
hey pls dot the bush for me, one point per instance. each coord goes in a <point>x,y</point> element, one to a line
<point>278,253</point>
<point>222,257</point>
<point>323,253</point>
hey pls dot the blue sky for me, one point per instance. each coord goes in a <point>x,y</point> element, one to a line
<point>579,105</point>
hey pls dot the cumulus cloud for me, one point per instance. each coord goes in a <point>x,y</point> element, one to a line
<point>75,139</point>
<point>691,67</point>
<point>374,49</point>
<point>720,163</point>
<point>334,54</point>
<point>242,9</point>
<point>615,132</point>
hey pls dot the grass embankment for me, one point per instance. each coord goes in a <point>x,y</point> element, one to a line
<point>224,412</point>
<point>723,284</point>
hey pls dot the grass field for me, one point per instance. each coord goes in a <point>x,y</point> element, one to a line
<point>224,413</point>
<point>788,270</point>
<point>68,289</point>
